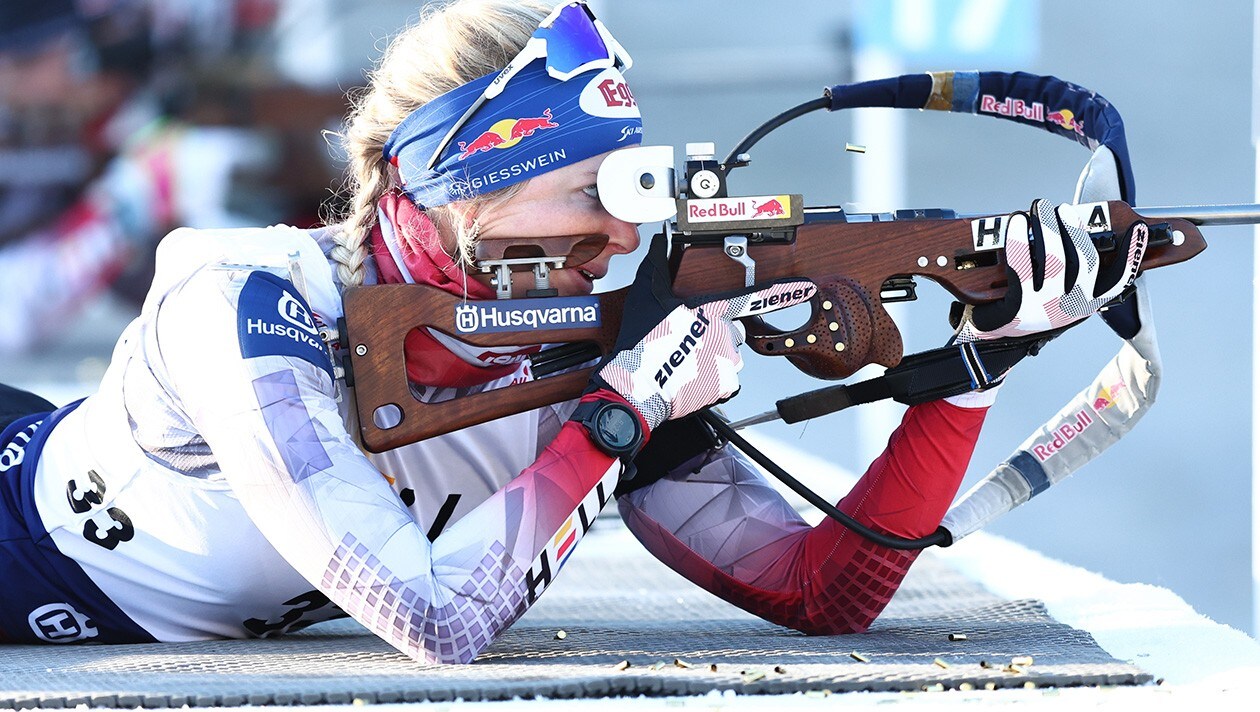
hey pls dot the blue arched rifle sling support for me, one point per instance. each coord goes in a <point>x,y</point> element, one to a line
<point>1049,103</point>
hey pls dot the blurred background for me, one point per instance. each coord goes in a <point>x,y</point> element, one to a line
<point>121,119</point>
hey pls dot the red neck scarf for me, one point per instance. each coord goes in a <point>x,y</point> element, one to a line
<point>447,363</point>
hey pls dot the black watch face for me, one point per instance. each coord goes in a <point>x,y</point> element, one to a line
<point>617,428</point>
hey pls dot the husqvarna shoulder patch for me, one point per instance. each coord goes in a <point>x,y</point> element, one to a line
<point>272,319</point>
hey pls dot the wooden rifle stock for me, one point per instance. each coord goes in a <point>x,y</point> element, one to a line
<point>851,262</point>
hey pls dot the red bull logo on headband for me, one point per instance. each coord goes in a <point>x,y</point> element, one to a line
<point>506,133</point>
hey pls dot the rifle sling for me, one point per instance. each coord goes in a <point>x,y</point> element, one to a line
<point>922,377</point>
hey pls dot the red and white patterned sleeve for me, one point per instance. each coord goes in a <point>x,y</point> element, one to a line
<point>718,522</point>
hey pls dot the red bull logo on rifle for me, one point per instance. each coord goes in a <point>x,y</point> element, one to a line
<point>771,208</point>
<point>506,133</point>
<point>1059,437</point>
<point>1064,118</point>
<point>1031,110</point>
<point>1107,396</point>
<point>1063,435</point>
<point>763,207</point>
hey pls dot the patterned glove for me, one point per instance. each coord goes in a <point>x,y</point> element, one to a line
<point>674,357</point>
<point>1054,275</point>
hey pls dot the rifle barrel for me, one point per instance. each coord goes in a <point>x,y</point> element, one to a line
<point>1241,214</point>
<point>1246,214</point>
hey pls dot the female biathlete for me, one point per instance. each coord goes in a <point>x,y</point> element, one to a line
<point>212,487</point>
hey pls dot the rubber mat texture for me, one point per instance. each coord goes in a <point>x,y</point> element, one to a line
<point>630,627</point>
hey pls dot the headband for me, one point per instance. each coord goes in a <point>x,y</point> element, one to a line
<point>537,124</point>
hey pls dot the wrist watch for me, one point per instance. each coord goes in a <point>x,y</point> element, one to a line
<point>614,427</point>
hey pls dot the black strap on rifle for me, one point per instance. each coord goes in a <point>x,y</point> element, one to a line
<point>922,377</point>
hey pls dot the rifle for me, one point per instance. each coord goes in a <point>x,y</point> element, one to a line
<point>859,263</point>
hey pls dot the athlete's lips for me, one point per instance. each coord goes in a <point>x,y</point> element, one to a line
<point>593,273</point>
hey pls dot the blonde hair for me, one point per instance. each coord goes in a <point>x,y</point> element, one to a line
<point>451,45</point>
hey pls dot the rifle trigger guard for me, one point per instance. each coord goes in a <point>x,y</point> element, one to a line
<point>736,248</point>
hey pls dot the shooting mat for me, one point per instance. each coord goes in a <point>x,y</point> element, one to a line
<point>614,603</point>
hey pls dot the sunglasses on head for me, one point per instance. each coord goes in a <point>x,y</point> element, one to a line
<point>570,39</point>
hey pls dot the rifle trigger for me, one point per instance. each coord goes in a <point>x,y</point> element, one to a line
<point>736,248</point>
